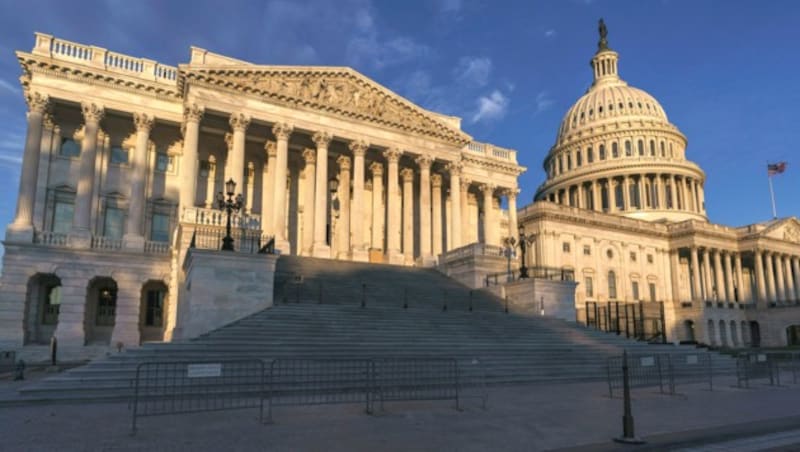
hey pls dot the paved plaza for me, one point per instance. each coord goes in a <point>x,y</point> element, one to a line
<point>518,418</point>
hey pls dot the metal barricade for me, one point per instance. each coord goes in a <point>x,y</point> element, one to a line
<point>413,379</point>
<point>295,382</point>
<point>163,388</point>
<point>754,366</point>
<point>646,370</point>
<point>692,368</point>
<point>788,362</point>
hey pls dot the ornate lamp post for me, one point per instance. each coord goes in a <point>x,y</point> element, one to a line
<point>229,205</point>
<point>511,244</point>
<point>524,241</point>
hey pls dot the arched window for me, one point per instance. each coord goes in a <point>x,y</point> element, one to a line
<point>652,148</point>
<point>614,150</point>
<point>590,154</point>
<point>628,150</point>
<point>578,158</point>
<point>612,285</point>
<point>640,147</point>
<point>663,153</point>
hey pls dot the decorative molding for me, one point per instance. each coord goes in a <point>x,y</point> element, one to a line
<point>407,174</point>
<point>37,102</point>
<point>282,131</point>
<point>376,169</point>
<point>454,168</point>
<point>392,155</point>
<point>272,148</point>
<point>321,139</point>
<point>344,163</point>
<point>92,112</point>
<point>239,122</point>
<point>358,147</point>
<point>424,161</point>
<point>193,113</point>
<point>143,122</point>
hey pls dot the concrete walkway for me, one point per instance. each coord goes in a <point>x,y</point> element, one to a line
<point>518,418</point>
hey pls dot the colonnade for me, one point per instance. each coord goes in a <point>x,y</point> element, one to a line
<point>717,275</point>
<point>628,192</point>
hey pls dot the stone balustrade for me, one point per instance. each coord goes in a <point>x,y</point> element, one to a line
<point>50,238</point>
<point>490,151</point>
<point>214,217</point>
<point>151,247</point>
<point>100,242</point>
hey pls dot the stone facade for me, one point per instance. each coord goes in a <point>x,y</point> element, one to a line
<point>624,209</point>
<point>125,159</point>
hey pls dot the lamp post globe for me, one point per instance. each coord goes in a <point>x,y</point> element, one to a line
<point>229,205</point>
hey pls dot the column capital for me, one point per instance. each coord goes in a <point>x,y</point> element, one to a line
<point>358,147</point>
<point>465,183</point>
<point>37,102</point>
<point>344,162</point>
<point>272,148</point>
<point>376,169</point>
<point>321,139</point>
<point>193,113</point>
<point>487,189</point>
<point>407,174</point>
<point>212,162</point>
<point>251,170</point>
<point>424,161</point>
<point>239,122</point>
<point>229,141</point>
<point>92,112</point>
<point>48,122</point>
<point>282,130</point>
<point>393,154</point>
<point>309,155</point>
<point>510,193</point>
<point>454,168</point>
<point>143,122</point>
<point>436,180</point>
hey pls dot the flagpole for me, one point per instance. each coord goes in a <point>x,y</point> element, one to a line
<point>772,197</point>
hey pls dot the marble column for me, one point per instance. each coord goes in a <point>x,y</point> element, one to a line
<point>211,178</point>
<point>729,277</point>
<point>310,175</point>
<point>134,231</point>
<point>770,278</point>
<point>358,249</point>
<point>787,267</point>
<point>719,280</point>
<point>488,214</point>
<point>454,168</point>
<point>511,196</point>
<point>709,284</point>
<point>674,268</point>
<point>21,229</point>
<point>425,235</point>
<point>249,183</point>
<point>377,205</point>
<point>796,268</point>
<point>282,133</point>
<point>463,200</point>
<point>81,222</point>
<point>343,224</point>
<point>436,221</point>
<point>393,204</point>
<point>596,201</point>
<point>239,123</point>
<point>626,193</point>
<point>579,196</point>
<point>687,196</point>
<point>611,191</point>
<point>321,248</point>
<point>407,176</point>
<point>673,193</point>
<point>268,187</point>
<point>780,284</point>
<point>192,115</point>
<point>763,297</point>
<point>737,263</point>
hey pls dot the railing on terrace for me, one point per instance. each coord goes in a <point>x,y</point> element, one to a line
<point>549,273</point>
<point>50,238</point>
<point>244,240</point>
<point>214,217</point>
<point>152,247</point>
<point>100,242</point>
<point>491,151</point>
<point>473,249</point>
<point>98,57</point>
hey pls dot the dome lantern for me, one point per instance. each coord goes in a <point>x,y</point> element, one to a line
<point>604,62</point>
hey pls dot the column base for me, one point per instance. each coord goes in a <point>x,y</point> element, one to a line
<point>19,233</point>
<point>395,257</point>
<point>359,255</point>
<point>321,250</point>
<point>282,246</point>
<point>133,242</point>
<point>80,238</point>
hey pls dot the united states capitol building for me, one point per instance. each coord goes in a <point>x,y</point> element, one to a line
<point>125,158</point>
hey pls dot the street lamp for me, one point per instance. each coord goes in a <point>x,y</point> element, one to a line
<point>511,243</point>
<point>229,205</point>
<point>523,245</point>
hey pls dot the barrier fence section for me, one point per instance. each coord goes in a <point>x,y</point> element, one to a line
<point>649,370</point>
<point>786,362</point>
<point>410,379</point>
<point>692,368</point>
<point>319,382</point>
<point>756,366</point>
<point>162,388</point>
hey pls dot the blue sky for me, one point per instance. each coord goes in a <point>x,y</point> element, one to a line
<point>726,72</point>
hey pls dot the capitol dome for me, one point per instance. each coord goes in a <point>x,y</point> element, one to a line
<point>617,152</point>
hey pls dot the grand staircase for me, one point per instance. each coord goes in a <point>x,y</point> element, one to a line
<point>404,314</point>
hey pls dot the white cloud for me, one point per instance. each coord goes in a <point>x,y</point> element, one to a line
<point>491,107</point>
<point>369,47</point>
<point>550,33</point>
<point>543,101</point>
<point>473,70</point>
<point>9,87</point>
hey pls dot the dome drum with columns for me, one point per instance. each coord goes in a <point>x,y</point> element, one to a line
<point>617,152</point>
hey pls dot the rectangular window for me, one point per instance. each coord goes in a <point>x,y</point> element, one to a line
<point>163,162</point>
<point>62,217</point>
<point>119,156</point>
<point>114,223</point>
<point>154,309</point>
<point>578,158</point>
<point>589,287</point>
<point>635,290</point>
<point>69,148</point>
<point>652,288</point>
<point>565,247</point>
<point>628,151</point>
<point>159,228</point>
<point>587,250</point>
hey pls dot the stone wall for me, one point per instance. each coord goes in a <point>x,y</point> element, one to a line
<point>543,297</point>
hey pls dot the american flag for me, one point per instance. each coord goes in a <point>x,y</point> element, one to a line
<point>776,168</point>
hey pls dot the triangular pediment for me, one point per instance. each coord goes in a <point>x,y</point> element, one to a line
<point>335,90</point>
<point>787,229</point>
